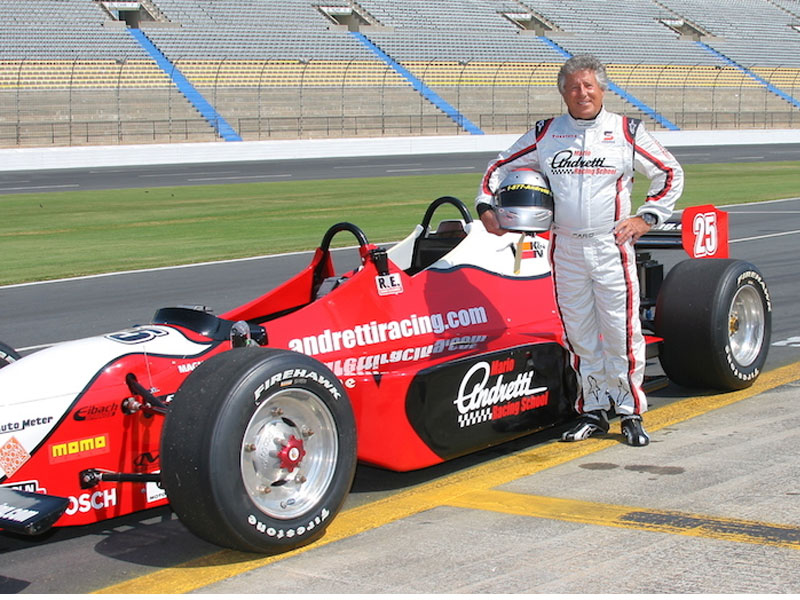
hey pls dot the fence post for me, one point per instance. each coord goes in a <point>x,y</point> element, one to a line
<point>260,86</point>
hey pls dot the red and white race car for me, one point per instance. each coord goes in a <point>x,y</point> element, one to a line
<point>250,423</point>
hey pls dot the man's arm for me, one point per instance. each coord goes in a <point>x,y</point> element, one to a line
<point>664,172</point>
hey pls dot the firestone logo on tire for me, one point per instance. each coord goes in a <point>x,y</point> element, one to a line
<point>280,533</point>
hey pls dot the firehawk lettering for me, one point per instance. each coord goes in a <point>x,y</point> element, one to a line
<point>291,374</point>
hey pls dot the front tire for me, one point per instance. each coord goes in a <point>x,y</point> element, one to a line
<point>259,450</point>
<point>715,317</point>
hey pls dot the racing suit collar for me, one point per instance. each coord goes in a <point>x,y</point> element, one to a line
<point>587,123</point>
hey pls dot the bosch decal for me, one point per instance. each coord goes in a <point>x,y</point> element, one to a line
<point>92,501</point>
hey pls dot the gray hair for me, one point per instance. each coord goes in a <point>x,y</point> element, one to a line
<point>582,62</point>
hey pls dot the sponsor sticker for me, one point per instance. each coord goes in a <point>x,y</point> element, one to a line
<point>12,456</point>
<point>13,426</point>
<point>80,448</point>
<point>31,486</point>
<point>485,395</point>
<point>96,411</point>
<point>389,285</point>
<point>92,501</point>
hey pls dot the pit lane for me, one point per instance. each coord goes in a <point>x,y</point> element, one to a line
<point>726,468</point>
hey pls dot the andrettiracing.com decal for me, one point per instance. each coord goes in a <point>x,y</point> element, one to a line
<point>374,332</point>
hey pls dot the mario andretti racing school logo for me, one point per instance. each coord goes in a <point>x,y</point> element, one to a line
<point>489,399</point>
<point>485,395</point>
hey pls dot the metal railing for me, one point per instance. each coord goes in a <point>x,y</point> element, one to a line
<point>82,102</point>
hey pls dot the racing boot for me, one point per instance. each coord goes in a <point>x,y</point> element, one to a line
<point>633,430</point>
<point>588,425</point>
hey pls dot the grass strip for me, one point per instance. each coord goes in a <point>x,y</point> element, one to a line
<point>64,234</point>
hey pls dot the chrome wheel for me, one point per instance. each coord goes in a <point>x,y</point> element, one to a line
<point>289,451</point>
<point>746,320</point>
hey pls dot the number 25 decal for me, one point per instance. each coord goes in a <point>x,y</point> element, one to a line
<point>704,228</point>
<point>705,232</point>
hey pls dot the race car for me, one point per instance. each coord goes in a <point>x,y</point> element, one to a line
<point>250,424</point>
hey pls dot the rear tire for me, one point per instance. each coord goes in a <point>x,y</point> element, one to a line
<point>259,450</point>
<point>715,317</point>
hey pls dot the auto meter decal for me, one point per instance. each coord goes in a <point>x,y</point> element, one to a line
<point>485,400</point>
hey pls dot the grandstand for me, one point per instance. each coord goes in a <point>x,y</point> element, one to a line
<point>141,71</point>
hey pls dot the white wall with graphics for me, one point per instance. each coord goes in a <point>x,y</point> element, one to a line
<point>20,159</point>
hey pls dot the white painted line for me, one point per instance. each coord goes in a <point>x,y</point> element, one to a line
<point>377,166</point>
<point>43,187</point>
<point>146,175</point>
<point>433,169</point>
<point>239,177</point>
<point>764,237</point>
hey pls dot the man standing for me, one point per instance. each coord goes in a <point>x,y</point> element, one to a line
<point>589,156</point>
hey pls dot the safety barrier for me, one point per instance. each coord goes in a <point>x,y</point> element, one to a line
<point>68,102</point>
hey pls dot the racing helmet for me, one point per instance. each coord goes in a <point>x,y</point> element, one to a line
<point>524,202</point>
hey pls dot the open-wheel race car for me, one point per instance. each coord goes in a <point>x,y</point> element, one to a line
<point>250,424</point>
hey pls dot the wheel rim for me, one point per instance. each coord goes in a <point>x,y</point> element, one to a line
<point>746,325</point>
<point>289,452</point>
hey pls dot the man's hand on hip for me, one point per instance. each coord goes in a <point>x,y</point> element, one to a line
<point>631,229</point>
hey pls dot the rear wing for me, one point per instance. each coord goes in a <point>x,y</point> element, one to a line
<point>702,231</point>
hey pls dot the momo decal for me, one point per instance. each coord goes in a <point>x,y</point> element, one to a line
<point>82,448</point>
<point>485,395</point>
<point>376,332</point>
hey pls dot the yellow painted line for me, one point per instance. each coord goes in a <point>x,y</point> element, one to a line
<point>610,515</point>
<point>198,573</point>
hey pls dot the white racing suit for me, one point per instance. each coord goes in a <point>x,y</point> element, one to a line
<point>590,166</point>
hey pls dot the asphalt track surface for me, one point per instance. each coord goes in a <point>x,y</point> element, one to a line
<point>710,506</point>
<point>18,182</point>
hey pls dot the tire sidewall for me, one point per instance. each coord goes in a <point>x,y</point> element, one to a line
<point>741,275</point>
<point>255,528</point>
